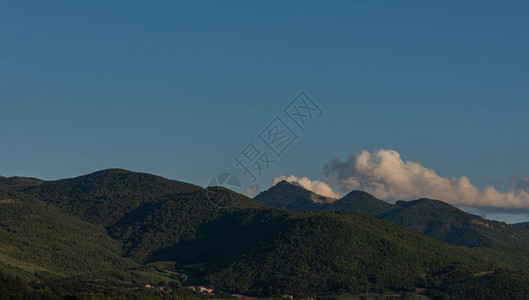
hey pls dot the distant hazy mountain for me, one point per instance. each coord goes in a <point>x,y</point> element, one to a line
<point>431,217</point>
<point>452,225</point>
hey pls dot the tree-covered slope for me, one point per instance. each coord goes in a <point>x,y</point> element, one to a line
<point>15,288</point>
<point>39,240</point>
<point>19,183</point>
<point>145,212</point>
<point>106,196</point>
<point>156,225</point>
<point>452,225</point>
<point>500,284</point>
<point>223,239</point>
<point>311,252</point>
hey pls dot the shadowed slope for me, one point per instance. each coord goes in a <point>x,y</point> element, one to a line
<point>285,195</point>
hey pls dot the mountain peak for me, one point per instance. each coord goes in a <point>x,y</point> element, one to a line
<point>117,170</point>
<point>288,187</point>
<point>17,183</point>
<point>358,193</point>
<point>425,202</point>
<point>363,202</point>
<point>292,196</point>
<point>116,191</point>
<point>286,183</point>
<point>114,171</point>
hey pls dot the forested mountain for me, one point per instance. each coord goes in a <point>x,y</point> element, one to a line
<point>106,196</point>
<point>452,225</point>
<point>19,183</point>
<point>154,226</point>
<point>362,202</point>
<point>43,242</point>
<point>147,229</point>
<point>285,195</point>
<point>431,217</point>
<point>308,252</point>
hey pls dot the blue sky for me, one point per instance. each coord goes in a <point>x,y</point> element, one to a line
<point>179,89</point>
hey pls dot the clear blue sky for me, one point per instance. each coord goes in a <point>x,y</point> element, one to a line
<point>179,89</point>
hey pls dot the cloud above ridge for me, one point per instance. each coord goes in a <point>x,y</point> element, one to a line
<point>316,186</point>
<point>384,174</point>
<point>251,190</point>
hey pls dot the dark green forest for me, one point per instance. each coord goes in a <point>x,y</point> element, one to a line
<point>112,233</point>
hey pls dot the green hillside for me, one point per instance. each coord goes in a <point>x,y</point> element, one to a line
<point>500,284</point>
<point>106,196</point>
<point>19,183</point>
<point>70,257</point>
<point>71,289</point>
<point>171,233</point>
<point>311,252</point>
<point>156,225</point>
<point>43,242</point>
<point>14,288</point>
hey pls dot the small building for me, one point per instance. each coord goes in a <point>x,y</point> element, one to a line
<point>201,289</point>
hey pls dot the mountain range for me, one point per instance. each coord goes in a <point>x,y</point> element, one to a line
<point>113,232</point>
<point>434,218</point>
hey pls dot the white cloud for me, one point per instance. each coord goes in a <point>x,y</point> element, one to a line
<point>316,186</point>
<point>385,175</point>
<point>251,190</point>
